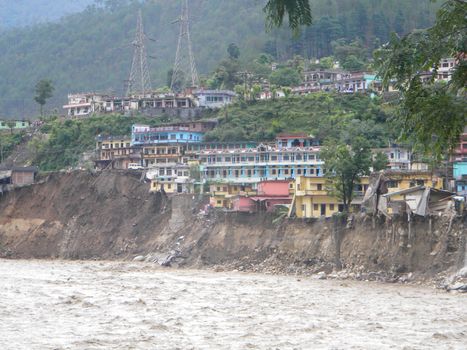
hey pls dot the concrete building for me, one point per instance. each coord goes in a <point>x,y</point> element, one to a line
<point>399,158</point>
<point>116,152</point>
<point>223,194</point>
<point>312,199</point>
<point>189,132</point>
<point>171,178</point>
<point>213,98</point>
<point>264,162</point>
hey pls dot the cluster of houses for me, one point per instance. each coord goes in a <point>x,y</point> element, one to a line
<point>85,104</point>
<point>192,101</point>
<point>351,82</point>
<point>262,176</point>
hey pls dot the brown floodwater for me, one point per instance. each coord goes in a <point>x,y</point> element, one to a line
<point>115,305</point>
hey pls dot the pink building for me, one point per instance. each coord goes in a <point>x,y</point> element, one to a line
<point>270,194</point>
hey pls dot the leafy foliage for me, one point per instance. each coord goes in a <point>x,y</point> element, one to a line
<point>432,114</point>
<point>323,115</point>
<point>345,165</point>
<point>68,139</point>
<point>44,91</point>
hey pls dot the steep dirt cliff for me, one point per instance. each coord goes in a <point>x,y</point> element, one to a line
<point>111,215</point>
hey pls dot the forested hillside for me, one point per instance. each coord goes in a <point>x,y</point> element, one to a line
<point>92,50</point>
<point>18,13</point>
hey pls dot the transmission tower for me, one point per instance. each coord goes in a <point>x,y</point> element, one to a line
<point>139,81</point>
<point>185,67</point>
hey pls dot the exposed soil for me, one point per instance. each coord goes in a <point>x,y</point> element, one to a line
<point>112,215</point>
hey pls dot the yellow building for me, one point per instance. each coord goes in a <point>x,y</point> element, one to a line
<point>311,198</point>
<point>222,194</point>
<point>402,180</point>
<point>171,178</point>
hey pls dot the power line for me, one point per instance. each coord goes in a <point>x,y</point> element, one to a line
<point>181,67</point>
<point>139,81</point>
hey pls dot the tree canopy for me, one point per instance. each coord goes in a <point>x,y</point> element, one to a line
<point>431,114</point>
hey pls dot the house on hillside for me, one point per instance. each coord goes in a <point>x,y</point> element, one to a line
<point>17,176</point>
<point>214,98</point>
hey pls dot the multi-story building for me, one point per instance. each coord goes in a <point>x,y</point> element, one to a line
<point>312,198</point>
<point>398,158</point>
<point>171,178</point>
<point>264,162</point>
<point>85,104</point>
<point>189,132</point>
<point>116,152</point>
<point>223,194</point>
<point>213,98</point>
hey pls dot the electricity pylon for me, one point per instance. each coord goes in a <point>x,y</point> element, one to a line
<point>139,81</point>
<point>185,67</point>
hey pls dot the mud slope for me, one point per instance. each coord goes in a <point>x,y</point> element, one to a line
<point>112,215</point>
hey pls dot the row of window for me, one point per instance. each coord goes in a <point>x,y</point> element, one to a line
<point>260,158</point>
<point>262,172</point>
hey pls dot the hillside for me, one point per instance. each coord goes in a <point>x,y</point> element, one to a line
<point>21,13</point>
<point>60,143</point>
<point>92,50</point>
<point>324,115</point>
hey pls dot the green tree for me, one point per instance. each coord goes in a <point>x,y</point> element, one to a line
<point>298,11</point>
<point>432,115</point>
<point>353,64</point>
<point>44,90</point>
<point>344,166</point>
<point>380,161</point>
<point>233,51</point>
<point>285,77</point>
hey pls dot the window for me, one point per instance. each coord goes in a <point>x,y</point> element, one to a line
<point>286,171</point>
<point>320,187</point>
<point>392,184</point>
<point>315,207</point>
<point>303,207</point>
<point>219,202</point>
<point>218,188</point>
<point>273,172</point>
<point>273,157</point>
<point>331,206</point>
<point>169,186</point>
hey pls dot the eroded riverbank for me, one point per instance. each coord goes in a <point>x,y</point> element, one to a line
<point>117,305</point>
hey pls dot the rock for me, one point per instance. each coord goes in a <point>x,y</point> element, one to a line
<point>462,272</point>
<point>321,275</point>
<point>139,258</point>
<point>460,287</point>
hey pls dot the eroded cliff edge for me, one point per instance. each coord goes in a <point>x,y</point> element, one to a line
<point>111,215</point>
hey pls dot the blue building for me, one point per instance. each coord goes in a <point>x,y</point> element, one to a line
<point>167,134</point>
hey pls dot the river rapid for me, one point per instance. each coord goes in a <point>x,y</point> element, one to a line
<point>115,305</point>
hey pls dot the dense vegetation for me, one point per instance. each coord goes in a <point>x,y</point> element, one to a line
<point>92,50</point>
<point>339,117</point>
<point>68,139</point>
<point>8,142</point>
<point>324,115</point>
<point>20,13</point>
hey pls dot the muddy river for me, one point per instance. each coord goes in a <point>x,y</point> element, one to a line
<point>109,305</point>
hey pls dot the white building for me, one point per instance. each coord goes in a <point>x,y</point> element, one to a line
<point>214,98</point>
<point>398,158</point>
